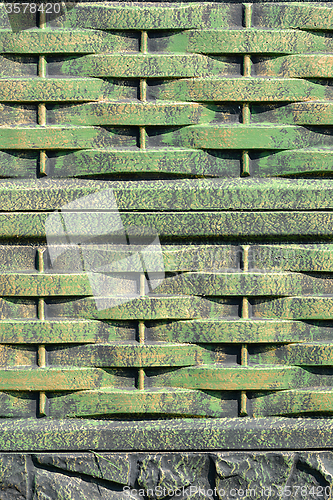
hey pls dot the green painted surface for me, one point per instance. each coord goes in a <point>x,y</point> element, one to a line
<point>171,196</point>
<point>207,284</point>
<point>178,402</point>
<point>314,16</point>
<point>211,125</point>
<point>155,16</point>
<point>143,66</point>
<point>256,89</point>
<point>60,41</point>
<point>214,434</point>
<point>250,41</point>
<point>54,89</point>
<point>185,224</point>
<point>299,402</point>
<point>252,378</point>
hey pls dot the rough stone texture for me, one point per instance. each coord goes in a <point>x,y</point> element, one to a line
<point>103,476</point>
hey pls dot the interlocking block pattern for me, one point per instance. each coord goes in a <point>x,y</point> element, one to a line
<point>211,125</point>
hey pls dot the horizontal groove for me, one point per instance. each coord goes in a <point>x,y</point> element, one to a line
<point>312,16</point>
<point>105,163</point>
<point>99,162</point>
<point>249,41</point>
<point>249,137</point>
<point>228,89</point>
<point>55,331</point>
<point>294,402</point>
<point>61,41</point>
<point>52,89</point>
<point>169,401</point>
<point>141,66</point>
<point>208,377</point>
<point>301,113</point>
<point>206,41</point>
<point>295,308</point>
<point>258,378</point>
<point>298,66</point>
<point>183,224</point>
<point>190,283</point>
<point>181,355</point>
<point>54,379</point>
<point>305,354</point>
<point>139,308</point>
<point>96,163</point>
<point>141,17</point>
<point>257,89</point>
<point>175,434</point>
<point>251,331</point>
<point>204,331</point>
<point>230,137</point>
<point>131,113</point>
<point>184,195</point>
<point>302,162</point>
<point>150,113</point>
<point>131,355</point>
<point>246,283</point>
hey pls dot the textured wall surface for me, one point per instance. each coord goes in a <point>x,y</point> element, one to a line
<point>166,248</point>
<point>208,475</point>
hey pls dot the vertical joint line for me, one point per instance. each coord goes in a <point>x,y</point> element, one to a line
<point>248,23</point>
<point>143,86</point>
<point>41,115</point>
<point>41,352</point>
<point>244,355</point>
<point>42,67</point>
<point>142,137</point>
<point>42,162</point>
<point>42,19</point>
<point>243,404</point>
<point>246,119</point>
<point>41,309</point>
<point>40,260</point>
<point>247,15</point>
<point>144,42</point>
<point>143,89</point>
<point>42,404</point>
<point>247,63</point>
<point>245,302</point>
<point>141,372</point>
<point>245,164</point>
<point>246,114</point>
<point>245,315</point>
<point>142,289</point>
<point>245,250</point>
<point>41,301</point>
<point>41,356</point>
